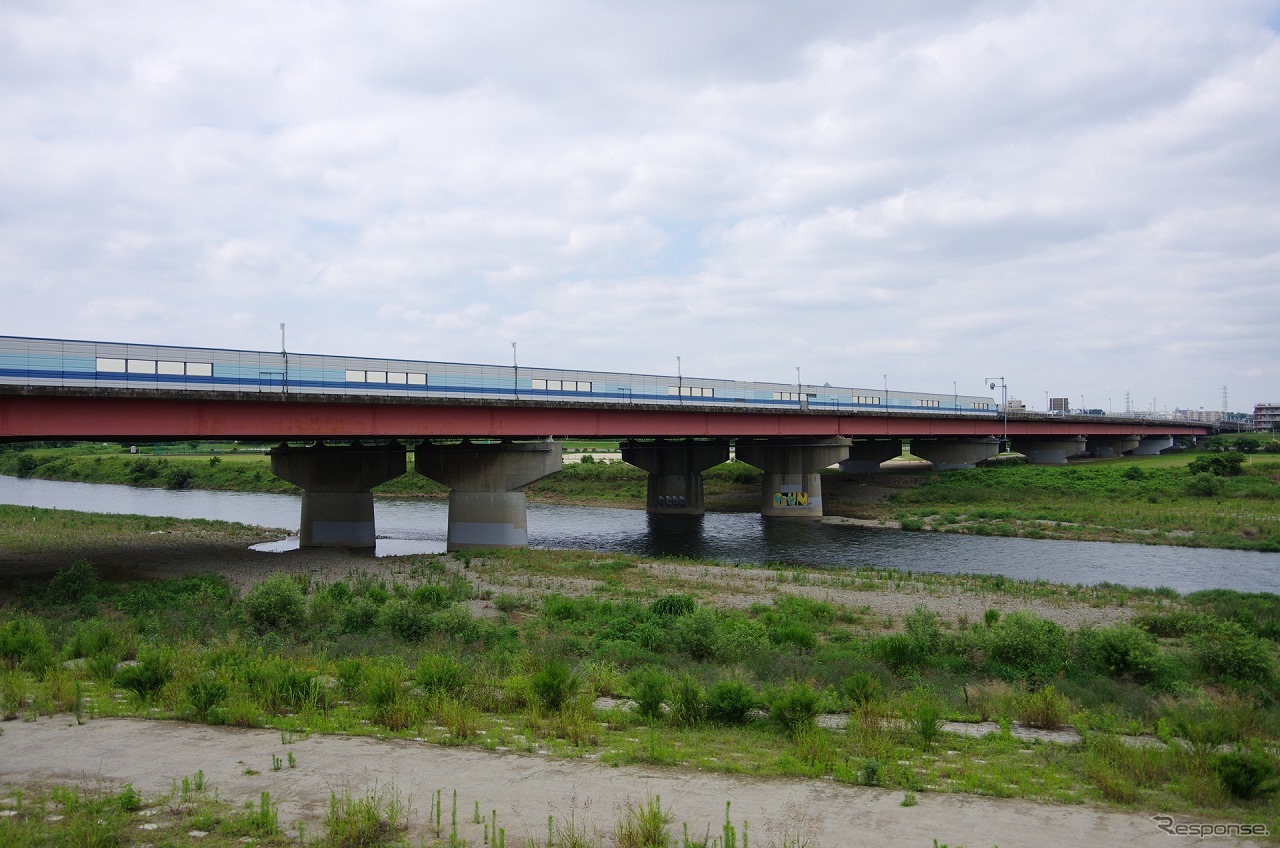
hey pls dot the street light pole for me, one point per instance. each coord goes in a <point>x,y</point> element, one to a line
<point>1004,402</point>
<point>284,379</point>
<point>799,390</point>
<point>679,381</point>
<point>515,372</point>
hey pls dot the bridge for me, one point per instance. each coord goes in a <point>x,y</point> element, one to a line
<point>486,450</point>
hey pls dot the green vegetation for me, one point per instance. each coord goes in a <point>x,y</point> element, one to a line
<point>1218,500</point>
<point>638,667</point>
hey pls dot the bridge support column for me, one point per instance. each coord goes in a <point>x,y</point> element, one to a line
<point>865,456</point>
<point>1052,450</point>
<point>947,454</point>
<point>1110,447</point>
<point>675,472</point>
<point>792,486</point>
<point>485,510</point>
<point>1153,445</point>
<point>337,504</point>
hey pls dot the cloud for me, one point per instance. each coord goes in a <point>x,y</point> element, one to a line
<point>1082,196</point>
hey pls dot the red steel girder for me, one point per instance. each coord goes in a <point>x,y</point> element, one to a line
<point>25,416</point>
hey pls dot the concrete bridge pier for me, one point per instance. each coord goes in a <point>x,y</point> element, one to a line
<point>792,486</point>
<point>866,455</point>
<point>337,504</point>
<point>1153,445</point>
<point>1052,450</point>
<point>675,472</point>
<point>485,508</point>
<point>948,454</point>
<point>1110,447</point>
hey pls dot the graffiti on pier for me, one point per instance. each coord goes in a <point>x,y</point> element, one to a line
<point>785,499</point>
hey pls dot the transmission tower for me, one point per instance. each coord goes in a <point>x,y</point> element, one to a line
<point>1224,399</point>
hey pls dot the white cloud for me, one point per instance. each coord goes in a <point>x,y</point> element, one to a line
<point>1081,196</point>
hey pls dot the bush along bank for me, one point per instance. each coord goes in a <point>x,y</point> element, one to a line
<point>1212,500</point>
<point>662,678</point>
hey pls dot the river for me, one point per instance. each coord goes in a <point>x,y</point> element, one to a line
<point>419,526</point>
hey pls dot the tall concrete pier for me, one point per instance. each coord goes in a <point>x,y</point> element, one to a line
<point>675,472</point>
<point>792,486</point>
<point>337,504</point>
<point>485,508</point>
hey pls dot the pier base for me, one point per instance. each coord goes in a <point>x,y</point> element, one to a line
<point>792,486</point>
<point>675,472</point>
<point>485,510</point>
<point>337,504</point>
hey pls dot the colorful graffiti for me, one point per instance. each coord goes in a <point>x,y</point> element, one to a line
<point>785,499</point>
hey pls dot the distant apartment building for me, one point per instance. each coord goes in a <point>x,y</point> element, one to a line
<point>1062,405</point>
<point>1204,416</point>
<point>1266,416</point>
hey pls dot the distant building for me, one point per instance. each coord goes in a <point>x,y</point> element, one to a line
<point>1062,405</point>
<point>1016,405</point>
<point>1266,416</point>
<point>1204,416</point>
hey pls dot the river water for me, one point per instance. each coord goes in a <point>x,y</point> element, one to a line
<point>419,526</point>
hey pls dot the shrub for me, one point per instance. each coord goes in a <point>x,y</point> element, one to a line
<point>737,639</point>
<point>148,675</point>
<point>795,707</point>
<point>673,605</point>
<point>554,684</point>
<point>1229,464</point>
<point>730,701</point>
<point>23,642</point>
<point>924,714</point>
<point>694,634</point>
<point>276,603</point>
<point>921,628</point>
<point>897,651</point>
<point>405,619</point>
<point>1121,650</point>
<point>441,673</point>
<point>796,635</point>
<point>649,689</point>
<point>861,688</point>
<point>77,582</point>
<point>688,701</point>
<point>1023,645</point>
<point>360,615</point>
<point>1228,652</point>
<point>1045,709</point>
<point>1205,485</point>
<point>205,694</point>
<point>1246,774</point>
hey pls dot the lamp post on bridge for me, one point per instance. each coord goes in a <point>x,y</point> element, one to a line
<point>284,356</point>
<point>515,373</point>
<point>1004,403</point>
<point>679,381</point>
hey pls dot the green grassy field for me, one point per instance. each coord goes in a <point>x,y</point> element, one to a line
<point>712,688</point>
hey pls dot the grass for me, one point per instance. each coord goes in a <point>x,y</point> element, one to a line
<point>306,657</point>
<point>1143,500</point>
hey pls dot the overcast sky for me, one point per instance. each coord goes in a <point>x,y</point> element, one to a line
<point>1081,197</point>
